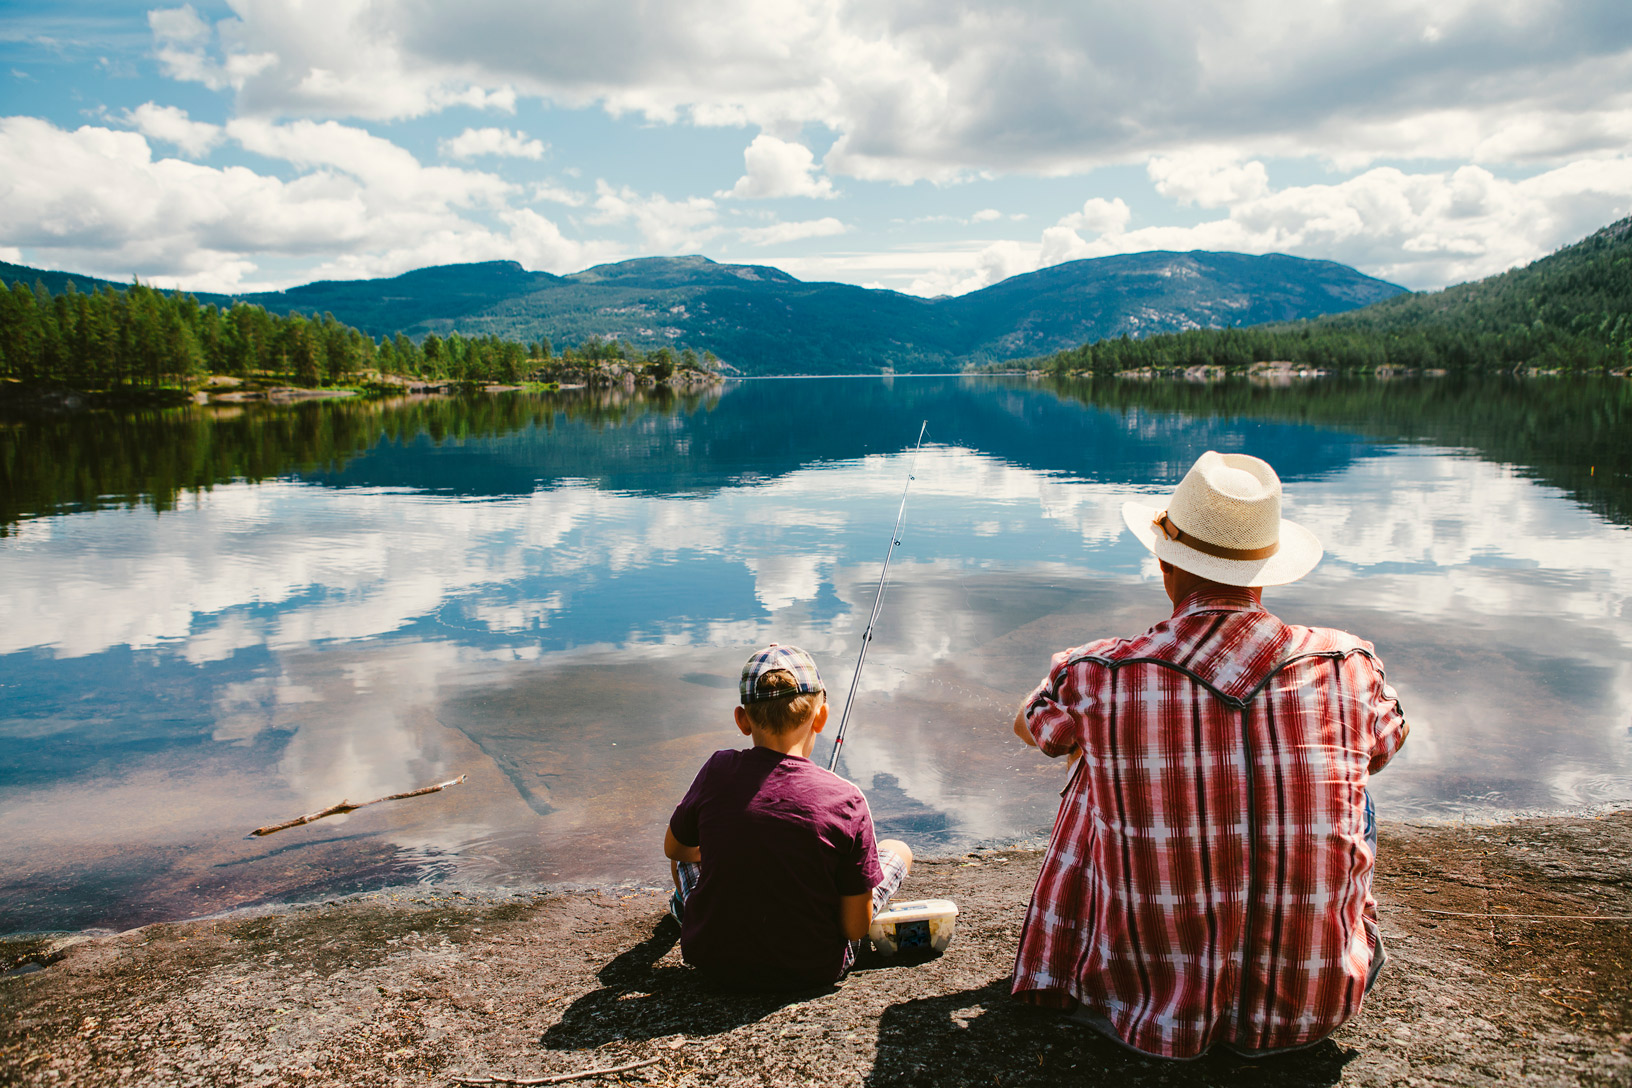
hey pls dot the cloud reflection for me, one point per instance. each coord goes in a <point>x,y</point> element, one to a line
<point>388,638</point>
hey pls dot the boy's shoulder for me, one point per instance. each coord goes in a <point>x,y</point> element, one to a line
<point>780,773</point>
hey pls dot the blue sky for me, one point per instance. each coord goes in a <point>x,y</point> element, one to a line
<point>918,145</point>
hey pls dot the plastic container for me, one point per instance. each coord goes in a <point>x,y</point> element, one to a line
<point>921,925</point>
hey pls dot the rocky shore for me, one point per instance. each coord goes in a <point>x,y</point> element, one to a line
<point>1509,949</point>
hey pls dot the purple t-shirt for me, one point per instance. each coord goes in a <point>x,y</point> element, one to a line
<point>781,840</point>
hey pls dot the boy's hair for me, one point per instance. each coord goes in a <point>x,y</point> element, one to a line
<point>781,713</point>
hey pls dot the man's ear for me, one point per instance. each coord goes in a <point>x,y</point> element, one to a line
<point>819,720</point>
<point>743,723</point>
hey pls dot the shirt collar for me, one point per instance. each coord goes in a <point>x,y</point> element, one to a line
<point>1217,599</point>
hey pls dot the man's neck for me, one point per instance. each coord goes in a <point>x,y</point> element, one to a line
<point>1181,585</point>
<point>1218,592</point>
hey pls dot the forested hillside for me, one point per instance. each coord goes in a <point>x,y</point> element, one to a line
<point>114,338</point>
<point>1571,310</point>
<point>760,320</point>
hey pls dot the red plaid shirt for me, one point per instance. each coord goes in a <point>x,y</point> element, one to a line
<point>1208,879</point>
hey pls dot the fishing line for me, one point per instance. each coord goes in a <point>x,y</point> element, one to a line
<point>878,602</point>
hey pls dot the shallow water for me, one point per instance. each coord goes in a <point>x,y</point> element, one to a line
<point>553,595</point>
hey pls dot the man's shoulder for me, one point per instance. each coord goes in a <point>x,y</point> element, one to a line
<point>1108,649</point>
<point>1325,640</point>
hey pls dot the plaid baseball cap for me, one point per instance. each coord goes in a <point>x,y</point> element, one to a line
<point>806,680</point>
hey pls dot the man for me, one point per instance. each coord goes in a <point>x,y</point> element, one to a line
<point>1209,875</point>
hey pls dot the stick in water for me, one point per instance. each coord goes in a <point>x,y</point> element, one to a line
<point>347,806</point>
<point>559,1077</point>
<point>878,602</point>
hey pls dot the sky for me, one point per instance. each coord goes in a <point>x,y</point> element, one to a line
<point>925,146</point>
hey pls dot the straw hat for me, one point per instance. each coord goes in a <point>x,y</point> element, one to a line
<point>1224,523</point>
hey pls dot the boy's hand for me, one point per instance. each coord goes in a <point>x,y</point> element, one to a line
<point>675,850</point>
<point>855,915</point>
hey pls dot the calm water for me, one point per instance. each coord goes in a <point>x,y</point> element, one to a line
<point>214,621</point>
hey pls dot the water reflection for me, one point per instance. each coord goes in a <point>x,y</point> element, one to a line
<point>557,609</point>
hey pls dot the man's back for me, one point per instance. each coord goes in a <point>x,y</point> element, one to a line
<point>782,839</point>
<point>1208,877</point>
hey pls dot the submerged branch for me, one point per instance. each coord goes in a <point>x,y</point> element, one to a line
<point>559,1077</point>
<point>347,806</point>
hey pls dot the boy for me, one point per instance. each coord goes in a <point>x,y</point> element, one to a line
<point>776,873</point>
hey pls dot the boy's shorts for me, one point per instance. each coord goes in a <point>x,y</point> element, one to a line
<point>893,865</point>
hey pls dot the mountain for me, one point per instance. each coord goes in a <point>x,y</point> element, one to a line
<point>1137,294</point>
<point>1570,310</point>
<point>760,320</point>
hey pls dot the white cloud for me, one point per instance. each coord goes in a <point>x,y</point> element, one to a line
<point>389,172</point>
<point>96,200</point>
<point>986,215</point>
<point>181,42</point>
<point>342,58</point>
<point>778,233</point>
<point>777,168</point>
<point>993,264</point>
<point>1099,216</point>
<point>666,226</point>
<point>173,126</point>
<point>179,26</point>
<point>491,141</point>
<point>558,194</point>
<point>943,92</point>
<point>1210,179</point>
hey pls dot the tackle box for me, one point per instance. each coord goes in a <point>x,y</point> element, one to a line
<point>918,925</point>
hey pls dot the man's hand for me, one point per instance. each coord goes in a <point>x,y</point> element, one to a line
<point>1024,733</point>
<point>1020,729</point>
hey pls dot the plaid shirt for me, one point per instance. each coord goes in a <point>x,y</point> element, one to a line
<point>1208,878</point>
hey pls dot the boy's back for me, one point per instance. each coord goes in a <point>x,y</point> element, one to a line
<point>782,839</point>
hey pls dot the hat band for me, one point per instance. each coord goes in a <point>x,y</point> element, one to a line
<point>1207,547</point>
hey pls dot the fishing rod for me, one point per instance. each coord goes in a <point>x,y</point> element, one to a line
<point>878,602</point>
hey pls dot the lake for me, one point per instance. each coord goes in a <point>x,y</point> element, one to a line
<point>218,618</point>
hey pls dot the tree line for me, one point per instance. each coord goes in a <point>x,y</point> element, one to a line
<point>142,337</point>
<point>1354,348</point>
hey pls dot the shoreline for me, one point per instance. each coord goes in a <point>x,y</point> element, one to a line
<point>1494,976</point>
<point>470,890</point>
<point>473,891</point>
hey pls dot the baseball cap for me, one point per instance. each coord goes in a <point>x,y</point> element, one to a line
<point>806,680</point>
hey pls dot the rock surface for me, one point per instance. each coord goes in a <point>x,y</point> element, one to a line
<point>419,986</point>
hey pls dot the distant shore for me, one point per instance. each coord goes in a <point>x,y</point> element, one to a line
<point>1496,975</point>
<point>50,398</point>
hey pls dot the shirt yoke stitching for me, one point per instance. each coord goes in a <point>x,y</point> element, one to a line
<point>1239,703</point>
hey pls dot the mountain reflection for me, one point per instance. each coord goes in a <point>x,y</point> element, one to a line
<point>1576,434</point>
